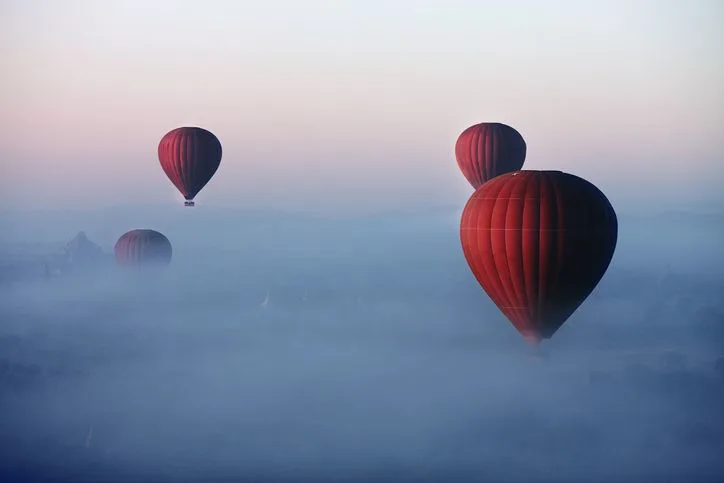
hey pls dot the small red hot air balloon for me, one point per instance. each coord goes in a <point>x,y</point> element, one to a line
<point>189,156</point>
<point>538,242</point>
<point>141,248</point>
<point>489,149</point>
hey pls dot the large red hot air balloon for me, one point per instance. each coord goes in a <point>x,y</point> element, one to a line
<point>489,149</point>
<point>189,156</point>
<point>538,242</point>
<point>143,248</point>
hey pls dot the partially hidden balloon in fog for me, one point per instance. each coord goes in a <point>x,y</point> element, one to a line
<point>489,149</point>
<point>143,248</point>
<point>538,242</point>
<point>190,157</point>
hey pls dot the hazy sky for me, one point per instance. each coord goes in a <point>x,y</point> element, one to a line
<point>327,105</point>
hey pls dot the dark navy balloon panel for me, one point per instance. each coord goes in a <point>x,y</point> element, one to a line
<point>538,242</point>
<point>190,157</point>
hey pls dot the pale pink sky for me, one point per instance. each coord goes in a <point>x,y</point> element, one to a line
<point>357,105</point>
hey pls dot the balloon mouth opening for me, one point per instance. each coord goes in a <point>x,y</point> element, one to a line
<point>532,339</point>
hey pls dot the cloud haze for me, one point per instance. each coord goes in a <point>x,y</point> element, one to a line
<point>378,358</point>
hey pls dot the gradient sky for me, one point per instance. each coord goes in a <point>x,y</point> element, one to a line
<point>329,105</point>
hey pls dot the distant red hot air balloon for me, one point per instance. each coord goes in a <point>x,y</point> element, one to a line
<point>189,156</point>
<point>143,248</point>
<point>538,242</point>
<point>489,149</point>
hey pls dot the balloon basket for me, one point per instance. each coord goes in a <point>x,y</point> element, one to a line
<point>189,203</point>
<point>534,348</point>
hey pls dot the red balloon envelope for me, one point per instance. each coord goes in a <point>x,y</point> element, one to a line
<point>189,156</point>
<point>143,248</point>
<point>538,242</point>
<point>489,149</point>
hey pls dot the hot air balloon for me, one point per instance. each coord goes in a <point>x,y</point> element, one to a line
<point>489,149</point>
<point>538,242</point>
<point>189,156</point>
<point>143,248</point>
